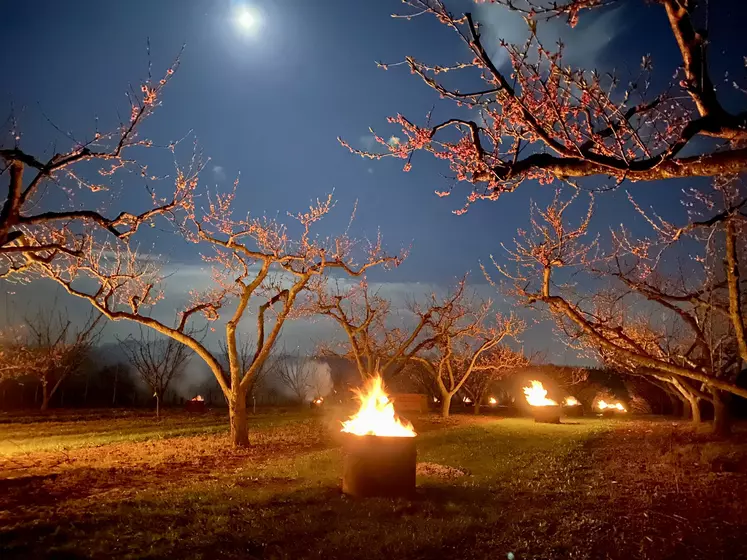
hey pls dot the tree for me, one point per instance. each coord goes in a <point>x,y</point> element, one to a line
<point>543,119</point>
<point>294,372</point>
<point>495,364</point>
<point>33,230</point>
<point>464,334</point>
<point>259,264</point>
<point>50,348</point>
<point>252,259</point>
<point>245,353</point>
<point>374,344</point>
<point>676,322</point>
<point>157,360</point>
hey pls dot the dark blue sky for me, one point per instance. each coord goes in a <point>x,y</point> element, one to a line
<point>271,105</point>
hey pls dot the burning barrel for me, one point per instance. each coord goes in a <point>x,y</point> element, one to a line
<point>549,414</point>
<point>572,408</point>
<point>379,454</point>
<point>544,410</point>
<point>378,466</point>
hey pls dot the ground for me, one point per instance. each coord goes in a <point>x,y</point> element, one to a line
<point>125,486</point>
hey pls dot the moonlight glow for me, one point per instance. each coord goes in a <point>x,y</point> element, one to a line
<point>247,19</point>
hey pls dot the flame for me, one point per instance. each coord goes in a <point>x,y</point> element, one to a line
<point>198,398</point>
<point>493,400</point>
<point>617,406</point>
<point>537,395</point>
<point>376,415</point>
<point>320,400</point>
<point>466,400</point>
<point>571,401</point>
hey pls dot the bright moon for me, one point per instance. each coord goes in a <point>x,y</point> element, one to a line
<point>247,19</point>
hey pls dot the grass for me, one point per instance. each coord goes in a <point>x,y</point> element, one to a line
<point>590,489</point>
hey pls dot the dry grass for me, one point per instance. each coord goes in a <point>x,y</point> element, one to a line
<point>590,489</point>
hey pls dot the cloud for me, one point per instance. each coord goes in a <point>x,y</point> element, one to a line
<point>219,173</point>
<point>584,45</point>
<point>370,170</point>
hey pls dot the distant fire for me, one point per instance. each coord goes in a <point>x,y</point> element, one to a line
<point>493,400</point>
<point>467,400</point>
<point>318,401</point>
<point>602,405</point>
<point>376,414</point>
<point>571,401</point>
<point>537,395</point>
<point>198,398</point>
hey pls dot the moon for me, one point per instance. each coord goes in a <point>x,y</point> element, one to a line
<point>247,19</point>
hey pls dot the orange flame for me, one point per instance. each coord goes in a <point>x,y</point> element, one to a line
<point>493,401</point>
<point>198,398</point>
<point>376,415</point>
<point>537,395</point>
<point>571,401</point>
<point>617,406</point>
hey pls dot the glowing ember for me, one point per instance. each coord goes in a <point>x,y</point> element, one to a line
<point>198,398</point>
<point>376,415</point>
<point>493,401</point>
<point>571,401</point>
<point>602,405</point>
<point>320,400</point>
<point>537,395</point>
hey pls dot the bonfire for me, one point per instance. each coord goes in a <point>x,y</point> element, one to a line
<point>543,409</point>
<point>376,416</point>
<point>612,407</point>
<point>379,447</point>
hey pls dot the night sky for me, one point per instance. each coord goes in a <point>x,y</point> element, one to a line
<point>270,103</point>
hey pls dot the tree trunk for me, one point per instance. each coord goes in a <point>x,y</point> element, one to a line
<point>721,415</point>
<point>445,405</point>
<point>114,392</point>
<point>687,409</point>
<point>477,406</point>
<point>45,396</point>
<point>238,418</point>
<point>694,403</point>
<point>158,406</point>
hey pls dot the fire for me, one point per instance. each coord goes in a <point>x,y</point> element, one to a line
<point>198,398</point>
<point>617,406</point>
<point>571,401</point>
<point>466,400</point>
<point>537,395</point>
<point>493,400</point>
<point>320,400</point>
<point>376,415</point>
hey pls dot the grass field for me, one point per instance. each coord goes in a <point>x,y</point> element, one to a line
<point>127,487</point>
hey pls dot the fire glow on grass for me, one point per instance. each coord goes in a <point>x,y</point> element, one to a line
<point>571,401</point>
<point>537,395</point>
<point>602,405</point>
<point>376,415</point>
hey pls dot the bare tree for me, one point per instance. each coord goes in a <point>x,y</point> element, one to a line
<point>543,119</point>
<point>49,348</point>
<point>374,344</point>
<point>62,237</point>
<point>464,334</point>
<point>495,364</point>
<point>676,322</point>
<point>158,361</point>
<point>245,353</point>
<point>294,372</point>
